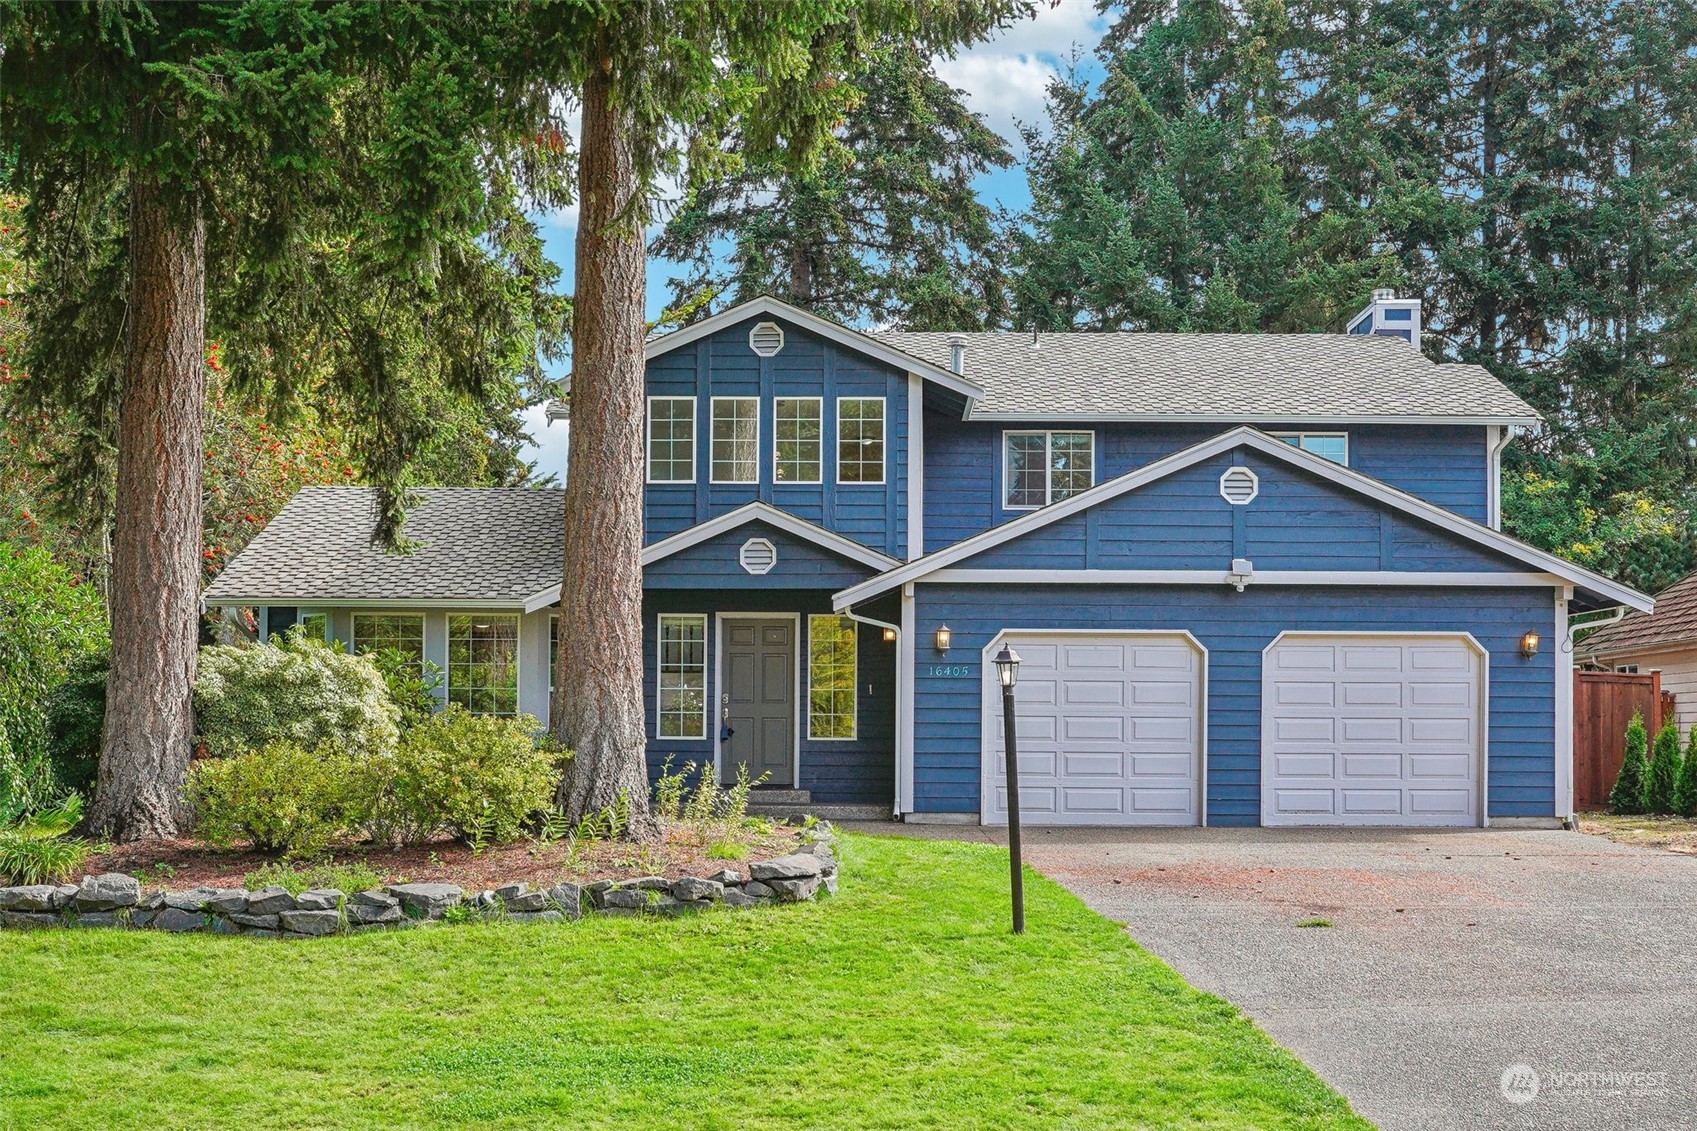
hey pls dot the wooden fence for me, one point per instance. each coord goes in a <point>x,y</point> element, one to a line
<point>1603,705</point>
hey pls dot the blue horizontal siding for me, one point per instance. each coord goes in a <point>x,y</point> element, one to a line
<point>722,365</point>
<point>860,771</point>
<point>1443,464</point>
<point>1235,628</point>
<point>715,562</point>
<point>1297,521</point>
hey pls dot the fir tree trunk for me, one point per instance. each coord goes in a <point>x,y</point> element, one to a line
<point>598,708</point>
<point>154,588</point>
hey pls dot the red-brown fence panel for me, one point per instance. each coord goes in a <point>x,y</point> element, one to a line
<point>1603,705</point>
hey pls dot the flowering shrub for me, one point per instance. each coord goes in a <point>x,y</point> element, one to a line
<point>477,776</point>
<point>283,798</point>
<point>298,690</point>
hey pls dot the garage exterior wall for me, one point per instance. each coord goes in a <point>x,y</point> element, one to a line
<point>1235,628</point>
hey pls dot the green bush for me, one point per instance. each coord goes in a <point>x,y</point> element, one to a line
<point>297,690</point>
<point>49,621</point>
<point>412,685</point>
<point>281,798</point>
<point>1685,789</point>
<point>76,712</point>
<point>1627,796</point>
<point>36,850</point>
<point>477,776</point>
<point>1664,771</point>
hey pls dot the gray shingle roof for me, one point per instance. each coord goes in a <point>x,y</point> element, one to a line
<point>478,544</point>
<point>1238,377</point>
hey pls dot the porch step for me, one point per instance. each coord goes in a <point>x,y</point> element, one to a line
<point>822,812</point>
<point>765,795</point>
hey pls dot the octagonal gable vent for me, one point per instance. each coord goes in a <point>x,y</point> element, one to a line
<point>766,339</point>
<point>757,556</point>
<point>1239,485</point>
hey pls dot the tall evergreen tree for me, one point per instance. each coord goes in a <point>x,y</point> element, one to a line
<point>335,191</point>
<point>651,83</point>
<point>886,229</point>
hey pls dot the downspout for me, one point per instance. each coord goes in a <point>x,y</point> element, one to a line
<point>1494,504</point>
<point>1614,617</point>
<point>896,746</point>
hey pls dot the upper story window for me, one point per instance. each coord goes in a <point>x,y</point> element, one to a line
<point>1327,445</point>
<point>671,439</point>
<point>1046,467</point>
<point>798,444</point>
<point>860,439</point>
<point>736,440</point>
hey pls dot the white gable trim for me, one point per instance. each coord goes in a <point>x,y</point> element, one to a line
<point>1332,419</point>
<point>825,328</point>
<point>1259,441</point>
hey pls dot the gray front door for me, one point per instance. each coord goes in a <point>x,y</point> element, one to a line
<point>760,700</point>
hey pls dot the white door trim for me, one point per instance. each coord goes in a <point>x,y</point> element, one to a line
<point>991,700</point>
<point>716,708</point>
<point>1482,721</point>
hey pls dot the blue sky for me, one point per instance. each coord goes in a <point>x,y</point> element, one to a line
<point>1004,80</point>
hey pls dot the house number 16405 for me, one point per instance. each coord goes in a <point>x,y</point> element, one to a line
<point>950,671</point>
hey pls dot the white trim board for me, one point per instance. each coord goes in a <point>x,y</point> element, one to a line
<point>1328,420</point>
<point>841,335</point>
<point>1221,576</point>
<point>511,605</point>
<point>1260,442</point>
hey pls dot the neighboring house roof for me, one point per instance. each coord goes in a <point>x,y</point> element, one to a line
<point>867,344</point>
<point>1267,378</point>
<point>477,545</point>
<point>1673,622</point>
<point>1556,568</point>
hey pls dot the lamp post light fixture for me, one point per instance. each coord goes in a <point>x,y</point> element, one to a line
<point>1007,671</point>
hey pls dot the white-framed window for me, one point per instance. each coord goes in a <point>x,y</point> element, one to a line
<point>1039,468</point>
<point>797,439</point>
<point>860,439</point>
<point>832,677</point>
<point>736,440</point>
<point>681,702</point>
<point>483,662</point>
<point>671,439</point>
<point>1327,445</point>
<point>403,632</point>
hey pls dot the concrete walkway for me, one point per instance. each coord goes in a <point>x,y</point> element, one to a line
<point>1454,960</point>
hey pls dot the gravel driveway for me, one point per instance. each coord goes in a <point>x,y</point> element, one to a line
<point>1451,958</point>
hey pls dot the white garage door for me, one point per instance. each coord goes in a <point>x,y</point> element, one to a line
<point>1371,730</point>
<point>1110,731</point>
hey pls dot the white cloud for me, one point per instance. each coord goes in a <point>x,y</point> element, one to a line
<point>1006,77</point>
<point>550,442</point>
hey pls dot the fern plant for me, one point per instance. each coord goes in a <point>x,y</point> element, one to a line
<point>36,849</point>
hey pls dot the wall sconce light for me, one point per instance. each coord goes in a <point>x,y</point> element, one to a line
<point>944,638</point>
<point>1529,645</point>
<point>889,636</point>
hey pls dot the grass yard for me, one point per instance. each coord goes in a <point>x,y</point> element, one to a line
<point>1676,834</point>
<point>904,1002</point>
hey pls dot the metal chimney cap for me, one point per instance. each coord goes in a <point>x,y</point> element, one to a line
<point>957,339</point>
<point>1384,294</point>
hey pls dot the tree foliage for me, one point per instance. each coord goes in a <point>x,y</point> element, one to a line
<point>1662,781</point>
<point>1627,796</point>
<point>886,228</point>
<point>1528,169</point>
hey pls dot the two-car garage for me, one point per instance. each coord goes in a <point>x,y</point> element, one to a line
<point>1356,729</point>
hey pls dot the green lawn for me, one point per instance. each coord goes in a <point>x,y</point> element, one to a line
<point>904,1002</point>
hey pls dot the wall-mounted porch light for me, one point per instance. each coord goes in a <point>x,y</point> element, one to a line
<point>889,636</point>
<point>1529,645</point>
<point>944,638</point>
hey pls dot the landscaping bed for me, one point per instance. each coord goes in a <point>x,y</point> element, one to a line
<point>1674,834</point>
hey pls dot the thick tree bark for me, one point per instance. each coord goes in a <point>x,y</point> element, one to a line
<point>598,707</point>
<point>156,539</point>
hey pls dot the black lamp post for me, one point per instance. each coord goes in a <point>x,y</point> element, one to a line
<point>1007,670</point>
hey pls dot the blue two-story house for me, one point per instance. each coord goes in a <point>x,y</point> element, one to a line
<point>1252,578</point>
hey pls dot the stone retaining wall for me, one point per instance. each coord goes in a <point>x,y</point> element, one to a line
<point>115,900</point>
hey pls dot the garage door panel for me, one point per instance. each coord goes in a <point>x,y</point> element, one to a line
<point>1120,720</point>
<point>1400,743</point>
<point>1084,692</point>
<point>1371,766</point>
